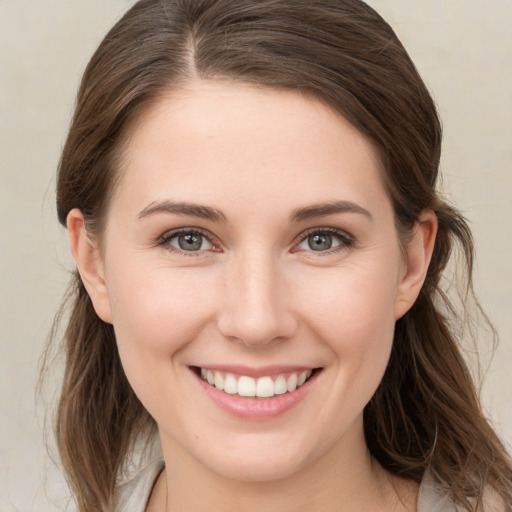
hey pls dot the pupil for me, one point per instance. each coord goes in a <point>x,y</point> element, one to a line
<point>320,242</point>
<point>190,242</point>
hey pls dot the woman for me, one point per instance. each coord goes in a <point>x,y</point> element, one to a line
<point>250,193</point>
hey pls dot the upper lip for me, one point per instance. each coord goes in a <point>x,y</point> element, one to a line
<point>255,372</point>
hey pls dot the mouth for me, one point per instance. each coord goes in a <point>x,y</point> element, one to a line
<point>264,386</point>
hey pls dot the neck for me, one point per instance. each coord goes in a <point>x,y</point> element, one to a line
<point>344,479</point>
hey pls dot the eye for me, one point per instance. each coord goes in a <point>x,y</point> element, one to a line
<point>187,240</point>
<point>324,240</point>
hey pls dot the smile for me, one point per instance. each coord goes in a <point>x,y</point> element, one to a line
<point>256,394</point>
<point>262,387</point>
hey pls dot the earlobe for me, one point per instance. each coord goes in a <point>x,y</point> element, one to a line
<point>89,263</point>
<point>419,253</point>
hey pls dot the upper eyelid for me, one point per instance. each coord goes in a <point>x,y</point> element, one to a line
<point>330,230</point>
<point>171,233</point>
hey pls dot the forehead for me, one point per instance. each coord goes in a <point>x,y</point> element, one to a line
<point>222,141</point>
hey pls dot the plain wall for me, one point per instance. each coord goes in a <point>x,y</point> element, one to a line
<point>463,48</point>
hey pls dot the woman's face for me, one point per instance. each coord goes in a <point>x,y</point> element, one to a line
<point>251,242</point>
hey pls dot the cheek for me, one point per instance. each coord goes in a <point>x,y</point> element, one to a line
<point>354,313</point>
<point>356,296</point>
<point>155,307</point>
<point>156,314</point>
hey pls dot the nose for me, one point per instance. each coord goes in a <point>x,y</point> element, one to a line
<point>256,306</point>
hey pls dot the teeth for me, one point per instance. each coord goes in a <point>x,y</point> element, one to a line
<point>280,385</point>
<point>219,381</point>
<point>291,383</point>
<point>264,387</point>
<point>302,378</point>
<point>230,384</point>
<point>246,386</point>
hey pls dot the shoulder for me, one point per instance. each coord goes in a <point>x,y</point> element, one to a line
<point>436,498</point>
<point>133,495</point>
<point>433,498</point>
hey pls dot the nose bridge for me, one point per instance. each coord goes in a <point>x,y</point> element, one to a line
<point>255,311</point>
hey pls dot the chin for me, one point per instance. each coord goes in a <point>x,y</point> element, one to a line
<point>257,469</point>
<point>261,459</point>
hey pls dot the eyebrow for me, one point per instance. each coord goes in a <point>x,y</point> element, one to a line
<point>193,210</point>
<point>206,212</point>
<point>324,209</point>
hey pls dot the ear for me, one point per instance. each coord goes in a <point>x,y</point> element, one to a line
<point>419,251</point>
<point>90,265</point>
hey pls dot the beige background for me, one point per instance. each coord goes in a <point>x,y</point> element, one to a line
<point>463,48</point>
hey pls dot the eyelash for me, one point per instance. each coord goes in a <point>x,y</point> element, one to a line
<point>346,240</point>
<point>165,240</point>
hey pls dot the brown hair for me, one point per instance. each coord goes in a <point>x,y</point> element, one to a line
<point>425,414</point>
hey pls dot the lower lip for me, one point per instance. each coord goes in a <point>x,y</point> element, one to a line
<point>250,408</point>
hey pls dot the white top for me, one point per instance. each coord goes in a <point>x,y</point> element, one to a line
<point>134,494</point>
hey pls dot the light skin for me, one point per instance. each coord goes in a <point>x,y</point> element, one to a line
<point>296,262</point>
